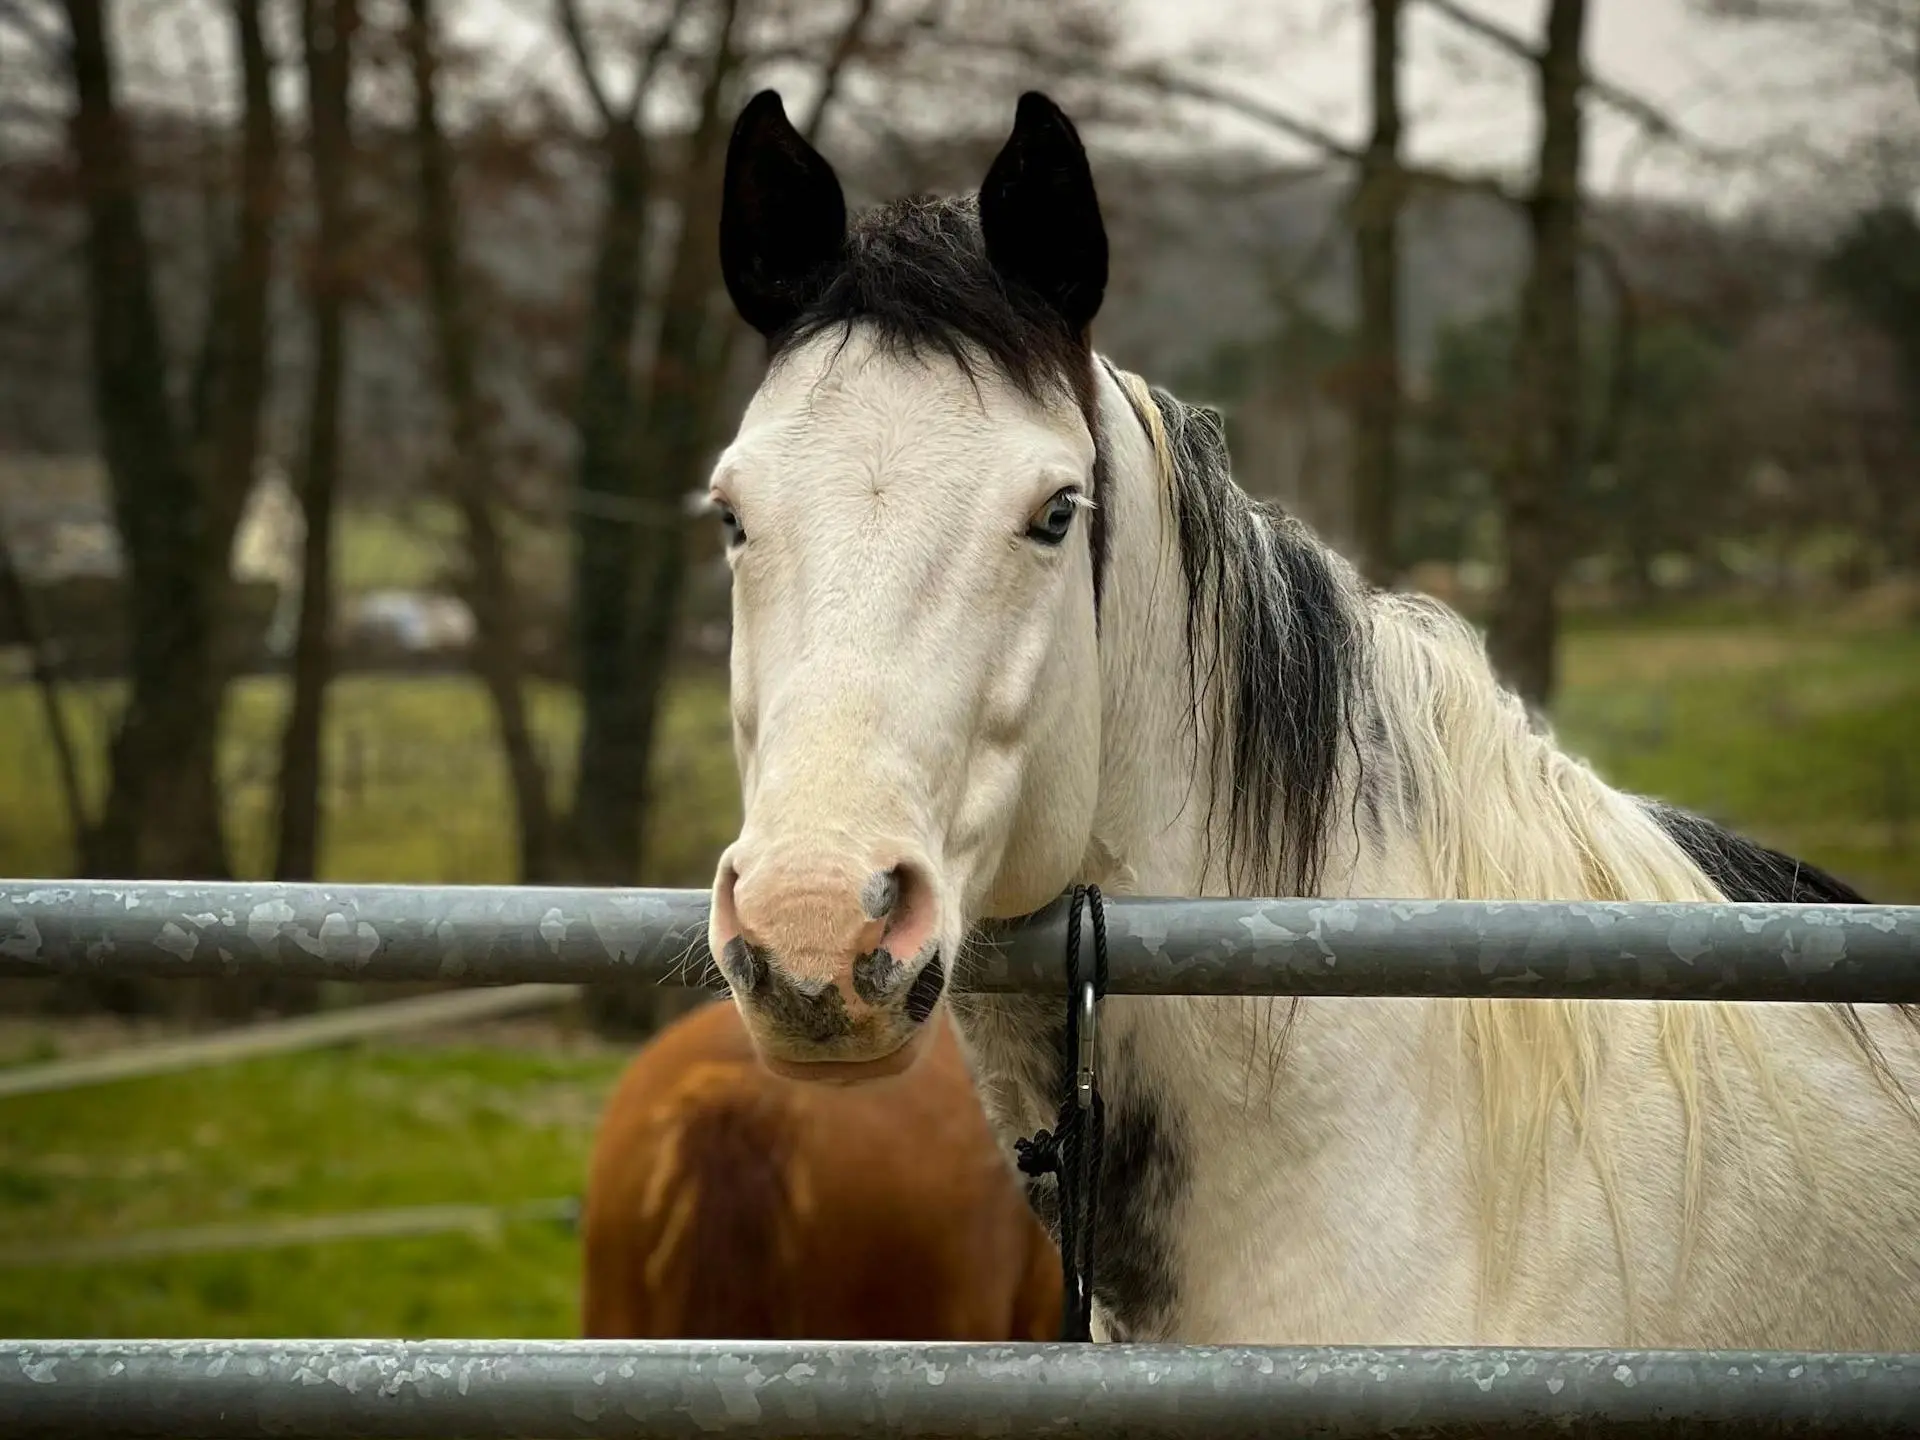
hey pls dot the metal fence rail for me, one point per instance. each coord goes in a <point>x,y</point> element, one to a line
<point>494,935</point>
<point>517,1390</point>
<point>56,1389</point>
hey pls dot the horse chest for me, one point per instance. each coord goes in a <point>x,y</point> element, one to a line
<point>1145,1171</point>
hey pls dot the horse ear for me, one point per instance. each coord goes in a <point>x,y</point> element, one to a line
<point>1040,216</point>
<point>783,219</point>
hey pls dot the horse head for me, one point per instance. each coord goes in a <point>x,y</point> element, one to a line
<point>909,509</point>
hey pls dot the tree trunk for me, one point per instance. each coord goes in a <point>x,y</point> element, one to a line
<point>489,588</point>
<point>1377,202</point>
<point>327,30</point>
<point>1544,449</point>
<point>630,572</point>
<point>609,771</point>
<point>230,387</point>
<point>1637,502</point>
<point>160,817</point>
<point>634,596</point>
<point>681,393</point>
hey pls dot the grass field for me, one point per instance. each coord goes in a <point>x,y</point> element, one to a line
<point>1804,738</point>
<point>352,1129</point>
<point>415,787</point>
<point>1802,735</point>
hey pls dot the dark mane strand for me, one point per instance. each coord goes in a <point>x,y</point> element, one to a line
<point>915,275</point>
<point>1745,871</point>
<point>1280,639</point>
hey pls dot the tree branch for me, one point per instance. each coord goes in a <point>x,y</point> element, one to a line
<point>852,36</point>
<point>44,38</point>
<point>1892,25</point>
<point>568,13</point>
<point>648,62</point>
<point>1161,80</point>
<point>227,423</point>
<point>1637,108</point>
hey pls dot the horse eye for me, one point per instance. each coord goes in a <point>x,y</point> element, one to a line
<point>730,522</point>
<point>1052,521</point>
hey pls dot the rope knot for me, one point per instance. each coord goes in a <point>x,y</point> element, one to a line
<point>1038,1154</point>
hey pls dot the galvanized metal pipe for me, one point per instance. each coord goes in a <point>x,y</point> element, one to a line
<point>506,1390</point>
<point>494,935</point>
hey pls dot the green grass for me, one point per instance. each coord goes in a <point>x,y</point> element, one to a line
<point>415,547</point>
<point>300,1135</point>
<point>1804,738</point>
<point>416,790</point>
<point>381,550</point>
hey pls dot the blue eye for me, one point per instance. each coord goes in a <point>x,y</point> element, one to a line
<point>1053,520</point>
<point>730,522</point>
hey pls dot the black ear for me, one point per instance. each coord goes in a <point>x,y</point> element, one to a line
<point>1040,216</point>
<point>783,220</point>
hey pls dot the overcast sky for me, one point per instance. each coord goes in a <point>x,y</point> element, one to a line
<point>1734,84</point>
<point>1799,94</point>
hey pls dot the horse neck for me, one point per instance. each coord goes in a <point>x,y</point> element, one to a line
<point>1394,763</point>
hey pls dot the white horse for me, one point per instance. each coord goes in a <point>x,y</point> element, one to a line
<point>1003,623</point>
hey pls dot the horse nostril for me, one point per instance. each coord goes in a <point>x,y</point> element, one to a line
<point>881,893</point>
<point>876,975</point>
<point>924,993</point>
<point>743,965</point>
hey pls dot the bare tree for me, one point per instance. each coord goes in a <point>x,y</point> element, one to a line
<point>177,483</point>
<point>1378,199</point>
<point>1546,456</point>
<point>489,586</point>
<point>1544,449</point>
<point>1651,120</point>
<point>327,30</point>
<point>641,439</point>
<point>615,704</point>
<point>232,378</point>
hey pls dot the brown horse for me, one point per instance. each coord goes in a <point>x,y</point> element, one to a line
<point>727,1203</point>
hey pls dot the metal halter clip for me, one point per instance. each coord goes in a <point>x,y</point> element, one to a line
<point>1083,1075</point>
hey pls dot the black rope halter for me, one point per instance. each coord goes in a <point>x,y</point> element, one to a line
<point>1071,1151</point>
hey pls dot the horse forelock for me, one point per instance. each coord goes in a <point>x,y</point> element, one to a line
<point>915,276</point>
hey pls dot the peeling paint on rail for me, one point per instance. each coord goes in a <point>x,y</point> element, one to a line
<point>118,1390</point>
